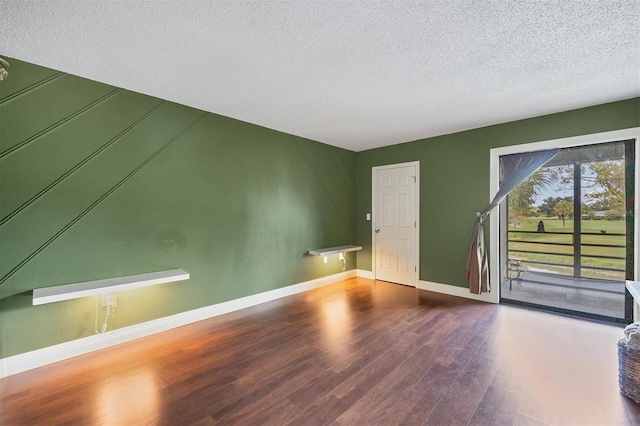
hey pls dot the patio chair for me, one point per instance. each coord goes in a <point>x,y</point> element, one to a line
<point>514,270</point>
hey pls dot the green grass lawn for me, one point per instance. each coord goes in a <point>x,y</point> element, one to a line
<point>553,224</point>
<point>603,228</point>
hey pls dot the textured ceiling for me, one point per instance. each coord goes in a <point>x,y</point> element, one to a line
<point>352,74</point>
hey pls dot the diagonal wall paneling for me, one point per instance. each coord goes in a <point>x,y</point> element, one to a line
<point>59,207</point>
<point>25,78</point>
<point>67,148</point>
<point>18,92</point>
<point>24,118</point>
<point>99,182</point>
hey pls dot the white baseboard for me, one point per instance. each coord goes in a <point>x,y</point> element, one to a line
<point>40,357</point>
<point>458,291</point>
<point>365,274</point>
<point>442,288</point>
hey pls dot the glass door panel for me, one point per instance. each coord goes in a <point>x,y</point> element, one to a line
<point>565,244</point>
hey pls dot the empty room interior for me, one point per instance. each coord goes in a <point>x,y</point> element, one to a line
<point>315,213</point>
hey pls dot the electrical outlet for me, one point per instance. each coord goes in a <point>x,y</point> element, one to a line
<point>109,300</point>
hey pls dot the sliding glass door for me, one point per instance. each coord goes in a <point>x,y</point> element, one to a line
<point>567,233</point>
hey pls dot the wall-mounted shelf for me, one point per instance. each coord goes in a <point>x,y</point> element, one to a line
<point>106,286</point>
<point>333,250</point>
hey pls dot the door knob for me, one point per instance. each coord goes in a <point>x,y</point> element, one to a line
<point>377,231</point>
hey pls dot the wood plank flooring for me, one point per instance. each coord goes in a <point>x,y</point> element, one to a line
<point>355,352</point>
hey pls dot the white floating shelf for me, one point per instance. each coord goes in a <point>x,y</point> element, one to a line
<point>333,250</point>
<point>107,286</point>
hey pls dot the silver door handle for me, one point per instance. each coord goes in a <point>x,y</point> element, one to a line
<point>377,231</point>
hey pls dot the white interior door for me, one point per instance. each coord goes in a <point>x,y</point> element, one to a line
<point>396,223</point>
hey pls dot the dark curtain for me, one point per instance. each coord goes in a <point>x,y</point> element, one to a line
<point>515,169</point>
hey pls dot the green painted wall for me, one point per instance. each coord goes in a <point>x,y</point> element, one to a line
<point>454,180</point>
<point>99,182</point>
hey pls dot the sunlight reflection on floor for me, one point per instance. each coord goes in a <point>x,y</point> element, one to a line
<point>129,398</point>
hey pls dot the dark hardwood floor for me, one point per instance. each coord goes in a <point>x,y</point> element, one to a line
<point>355,352</point>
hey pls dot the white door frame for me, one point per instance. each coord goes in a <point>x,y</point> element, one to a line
<point>494,217</point>
<point>373,215</point>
